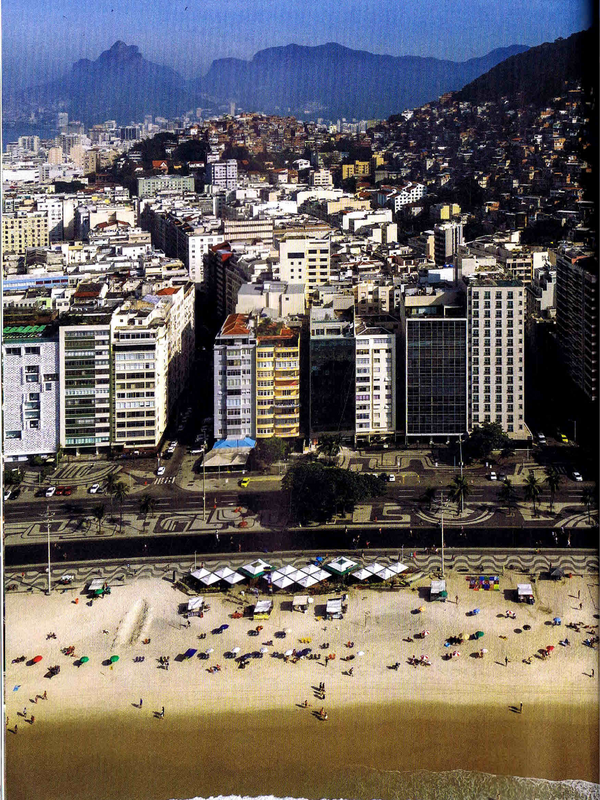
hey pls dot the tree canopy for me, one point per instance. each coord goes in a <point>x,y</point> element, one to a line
<point>318,491</point>
<point>268,451</point>
<point>485,438</point>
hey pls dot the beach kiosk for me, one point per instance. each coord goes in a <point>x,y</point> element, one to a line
<point>300,603</point>
<point>262,610</point>
<point>195,606</point>
<point>525,593</point>
<point>333,609</point>
<point>98,587</point>
<point>438,591</point>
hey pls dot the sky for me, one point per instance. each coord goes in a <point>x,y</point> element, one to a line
<point>42,38</point>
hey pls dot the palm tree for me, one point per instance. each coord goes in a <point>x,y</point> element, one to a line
<point>120,491</point>
<point>459,491</point>
<point>533,490</point>
<point>111,482</point>
<point>553,481</point>
<point>508,494</point>
<point>589,499</point>
<point>147,506</point>
<point>329,446</point>
<point>428,497</point>
<point>99,512</point>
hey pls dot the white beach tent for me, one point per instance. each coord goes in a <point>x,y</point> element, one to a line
<point>195,604</point>
<point>286,570</point>
<point>223,572</point>
<point>282,582</point>
<point>385,574</point>
<point>256,568</point>
<point>306,581</point>
<point>397,567</point>
<point>310,569</point>
<point>321,575</point>
<point>209,579</point>
<point>235,577</point>
<point>375,568</point>
<point>341,565</point>
<point>199,573</point>
<point>362,574</point>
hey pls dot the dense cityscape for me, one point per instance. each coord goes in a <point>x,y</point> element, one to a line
<point>300,360</point>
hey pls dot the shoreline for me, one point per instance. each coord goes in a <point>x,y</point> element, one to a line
<point>289,753</point>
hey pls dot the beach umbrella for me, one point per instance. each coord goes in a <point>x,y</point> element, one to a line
<point>550,648</point>
<point>288,653</point>
<point>420,609</point>
<point>478,634</point>
<point>264,650</point>
<point>37,659</point>
<point>360,653</point>
<point>483,651</point>
<point>288,630</point>
<point>83,660</point>
<point>224,627</point>
<point>235,650</point>
<point>209,651</point>
<point>113,659</point>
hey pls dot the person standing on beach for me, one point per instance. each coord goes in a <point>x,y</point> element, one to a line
<point>45,695</point>
<point>456,599</point>
<point>593,673</point>
<point>506,661</point>
<point>521,708</point>
<point>162,713</point>
<point>141,701</point>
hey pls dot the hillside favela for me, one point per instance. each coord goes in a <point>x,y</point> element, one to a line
<point>300,426</point>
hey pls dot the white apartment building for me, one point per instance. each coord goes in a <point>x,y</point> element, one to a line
<point>31,397</point>
<point>234,379</point>
<point>320,177</point>
<point>496,319</point>
<point>304,260</point>
<point>222,173</point>
<point>375,384</point>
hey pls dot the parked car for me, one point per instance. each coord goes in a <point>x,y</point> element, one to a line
<point>391,477</point>
<point>244,482</point>
<point>60,490</point>
<point>196,451</point>
<point>14,494</point>
<point>95,489</point>
<point>541,438</point>
<point>7,493</point>
<point>577,476</point>
<point>51,491</point>
<point>68,491</point>
<point>564,439</point>
<point>160,471</point>
<point>493,476</point>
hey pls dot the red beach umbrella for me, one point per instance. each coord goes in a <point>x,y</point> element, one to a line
<point>550,648</point>
<point>37,659</point>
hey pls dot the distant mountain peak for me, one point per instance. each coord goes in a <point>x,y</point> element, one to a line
<point>120,52</point>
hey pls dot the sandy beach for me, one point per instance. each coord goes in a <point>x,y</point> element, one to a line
<point>462,713</point>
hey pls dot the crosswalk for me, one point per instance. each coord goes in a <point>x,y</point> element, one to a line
<point>164,479</point>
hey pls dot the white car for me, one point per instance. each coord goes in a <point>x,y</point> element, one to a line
<point>50,491</point>
<point>95,488</point>
<point>541,438</point>
<point>391,478</point>
<point>493,476</point>
<point>160,471</point>
<point>577,476</point>
<point>7,494</point>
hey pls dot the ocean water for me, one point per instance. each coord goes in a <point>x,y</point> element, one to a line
<point>453,785</point>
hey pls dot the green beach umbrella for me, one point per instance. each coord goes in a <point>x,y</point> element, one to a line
<point>83,659</point>
<point>113,659</point>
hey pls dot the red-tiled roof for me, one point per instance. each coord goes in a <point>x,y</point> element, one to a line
<point>169,290</point>
<point>235,325</point>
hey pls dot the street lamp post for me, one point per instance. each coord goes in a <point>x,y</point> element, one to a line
<point>204,483</point>
<point>48,517</point>
<point>442,507</point>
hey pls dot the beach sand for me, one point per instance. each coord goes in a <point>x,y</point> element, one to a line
<point>243,731</point>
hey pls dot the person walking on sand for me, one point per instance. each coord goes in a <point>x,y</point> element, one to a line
<point>593,673</point>
<point>521,708</point>
<point>45,695</point>
<point>506,661</point>
<point>456,599</point>
<point>580,606</point>
<point>32,720</point>
<point>141,701</point>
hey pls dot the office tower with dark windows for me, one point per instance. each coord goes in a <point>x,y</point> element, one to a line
<point>332,370</point>
<point>577,317</point>
<point>435,352</point>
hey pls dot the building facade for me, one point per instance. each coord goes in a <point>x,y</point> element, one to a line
<point>496,314</point>
<point>277,380</point>
<point>31,396</point>
<point>375,387</point>
<point>234,379</point>
<point>304,260</point>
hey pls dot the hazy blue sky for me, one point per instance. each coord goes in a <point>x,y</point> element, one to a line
<point>43,37</point>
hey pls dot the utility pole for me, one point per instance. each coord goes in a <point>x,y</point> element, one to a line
<point>204,483</point>
<point>442,507</point>
<point>462,496</point>
<point>48,518</point>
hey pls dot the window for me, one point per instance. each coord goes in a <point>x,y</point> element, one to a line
<point>32,351</point>
<point>12,434</point>
<point>13,351</point>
